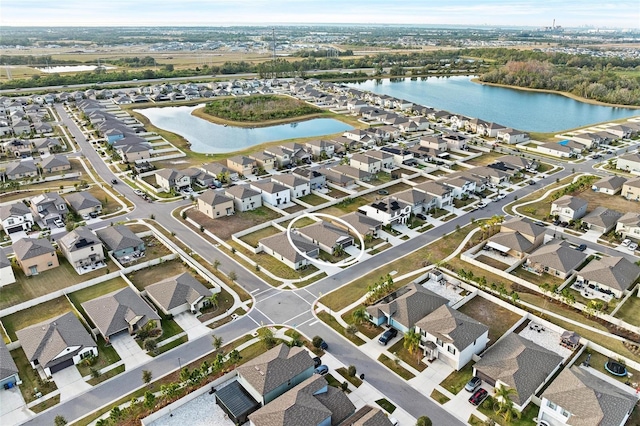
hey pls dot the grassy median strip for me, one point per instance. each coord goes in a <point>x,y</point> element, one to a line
<point>333,323</point>
<point>354,380</point>
<point>396,367</point>
<point>106,376</point>
<point>439,397</point>
<point>39,408</point>
<point>386,405</point>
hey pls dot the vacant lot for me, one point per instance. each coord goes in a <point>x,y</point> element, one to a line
<point>35,315</point>
<point>224,227</point>
<point>157,273</point>
<point>349,205</point>
<point>398,187</point>
<point>485,159</point>
<point>497,318</point>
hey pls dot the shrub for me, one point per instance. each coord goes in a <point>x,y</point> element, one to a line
<point>351,370</point>
<point>344,386</point>
<point>317,341</point>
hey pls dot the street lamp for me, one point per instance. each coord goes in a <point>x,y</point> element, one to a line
<point>179,363</point>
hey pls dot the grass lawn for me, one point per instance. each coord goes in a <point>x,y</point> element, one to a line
<point>107,355</point>
<point>439,249</point>
<point>30,378</point>
<point>253,238</point>
<point>439,397</point>
<point>397,187</point>
<point>225,302</point>
<point>336,193</point>
<point>169,329</point>
<point>332,381</point>
<point>401,352</point>
<point>386,405</point>
<point>164,348</point>
<point>27,288</point>
<point>536,279</point>
<point>396,368</point>
<point>348,205</point>
<point>455,381</point>
<point>597,362</point>
<point>485,159</point>
<point>354,380</point>
<point>273,265</point>
<point>492,262</point>
<point>35,315</point>
<point>333,323</point>
<point>313,199</point>
<point>497,318</point>
<point>109,205</point>
<point>629,311</point>
<point>242,293</point>
<point>300,223</point>
<point>39,408</point>
<point>532,209</point>
<point>106,376</point>
<point>300,284</point>
<point>367,327</point>
<point>528,414</point>
<point>89,293</point>
<point>151,275</point>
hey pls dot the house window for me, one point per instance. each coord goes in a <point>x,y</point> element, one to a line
<point>438,342</point>
<point>92,248</point>
<point>10,222</point>
<point>551,405</point>
<point>452,350</point>
<point>565,413</point>
<point>50,264</point>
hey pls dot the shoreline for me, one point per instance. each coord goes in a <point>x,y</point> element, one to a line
<point>200,113</point>
<point>556,92</point>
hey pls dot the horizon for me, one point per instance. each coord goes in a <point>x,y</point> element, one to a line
<point>624,14</point>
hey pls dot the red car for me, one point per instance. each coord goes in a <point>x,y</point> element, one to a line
<point>478,396</point>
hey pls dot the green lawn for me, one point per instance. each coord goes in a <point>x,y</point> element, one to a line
<point>367,328</point>
<point>497,318</point>
<point>333,323</point>
<point>313,199</point>
<point>332,381</point>
<point>354,380</point>
<point>169,329</point>
<point>439,397</point>
<point>106,376</point>
<point>35,315</point>
<point>396,368</point>
<point>107,355</point>
<point>630,311</point>
<point>412,359</point>
<point>31,382</point>
<point>455,381</point>
<point>151,275</point>
<point>492,262</point>
<point>253,238</point>
<point>528,414</point>
<point>537,279</point>
<point>597,362</point>
<point>386,405</point>
<point>164,348</point>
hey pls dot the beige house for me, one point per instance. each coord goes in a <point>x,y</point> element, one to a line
<point>631,189</point>
<point>55,163</point>
<point>82,248</point>
<point>244,198</point>
<point>242,165</point>
<point>35,255</point>
<point>629,163</point>
<point>179,294</point>
<point>629,226</point>
<point>517,237</point>
<point>365,163</point>
<point>215,204</point>
<point>134,152</point>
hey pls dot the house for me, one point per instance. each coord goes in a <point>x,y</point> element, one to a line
<point>47,145</point>
<point>49,207</point>
<point>35,255</point>
<point>264,160</point>
<point>316,180</point>
<point>367,416</point>
<point>589,140</point>
<point>609,185</point>
<point>512,136</point>
<point>82,248</point>
<point>215,204</point>
<point>364,225</point>
<point>121,240</point>
<point>271,374</point>
<point>434,142</point>
<point>387,160</point>
<point>83,203</point>
<point>18,148</point>
<point>629,163</point>
<point>298,186</point>
<point>441,193</point>
<point>460,185</point>
<point>577,397</point>
<point>179,294</point>
<point>629,226</point>
<point>320,148</point>
<point>283,156</point>
<point>16,217</point>
<point>451,336</point>
<point>55,163</point>
<point>244,198</point>
<point>492,175</point>
<point>21,170</point>
<point>6,276</point>
<point>631,189</point>
<point>365,163</point>
<point>517,237</point>
<point>198,177</point>
<point>134,152</point>
<point>611,275</point>
<point>389,211</point>
<point>563,149</point>
<point>519,364</point>
<point>272,192</point>
<point>518,163</point>
<point>279,247</point>
<point>556,258</point>
<point>336,178</point>
<point>352,172</point>
<point>329,237</point>
<point>601,219</point>
<point>172,180</point>
<point>57,343</point>
<point>403,308</point>
<point>119,311</point>
<point>242,165</point>
<point>569,208</point>
<point>311,403</point>
<point>8,369</point>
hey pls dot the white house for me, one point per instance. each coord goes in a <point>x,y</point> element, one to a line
<point>272,192</point>
<point>6,272</point>
<point>569,208</point>
<point>298,186</point>
<point>365,163</point>
<point>390,210</point>
<point>629,163</point>
<point>16,217</point>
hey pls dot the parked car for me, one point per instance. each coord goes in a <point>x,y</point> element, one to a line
<point>322,370</point>
<point>421,216</point>
<point>317,362</point>
<point>532,182</point>
<point>324,346</point>
<point>387,336</point>
<point>482,204</point>
<point>609,152</point>
<point>86,217</point>
<point>473,384</point>
<point>114,181</point>
<point>478,396</point>
<point>93,215</point>
<point>500,196</point>
<point>626,242</point>
<point>138,192</point>
<point>58,223</point>
<point>633,246</point>
<point>393,420</point>
<point>581,247</point>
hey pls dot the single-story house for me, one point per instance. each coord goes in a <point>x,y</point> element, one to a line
<point>121,240</point>
<point>179,294</point>
<point>555,258</point>
<point>602,219</point>
<point>279,247</point>
<point>327,236</point>
<point>55,163</point>
<point>517,237</point>
<point>8,370</point>
<point>364,225</point>
<point>6,275</point>
<point>24,169</point>
<point>613,275</point>
<point>609,185</point>
<point>83,202</point>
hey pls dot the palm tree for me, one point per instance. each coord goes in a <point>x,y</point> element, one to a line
<point>412,342</point>
<point>213,299</point>
<point>217,342</point>
<point>504,403</point>
<point>360,315</point>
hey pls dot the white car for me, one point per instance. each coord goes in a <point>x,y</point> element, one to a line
<point>58,223</point>
<point>633,246</point>
<point>482,204</point>
<point>500,196</point>
<point>138,192</point>
<point>86,217</point>
<point>626,242</point>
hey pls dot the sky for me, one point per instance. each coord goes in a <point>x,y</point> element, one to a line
<point>534,13</point>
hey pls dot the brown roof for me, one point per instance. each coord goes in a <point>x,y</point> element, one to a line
<point>614,272</point>
<point>177,291</point>
<point>452,327</point>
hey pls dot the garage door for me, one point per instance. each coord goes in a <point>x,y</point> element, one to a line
<point>63,364</point>
<point>14,229</point>
<point>486,378</point>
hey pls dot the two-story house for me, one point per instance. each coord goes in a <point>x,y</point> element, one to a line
<point>272,192</point>
<point>388,211</point>
<point>35,255</point>
<point>16,217</point>
<point>569,208</point>
<point>441,193</point>
<point>631,189</point>
<point>244,198</point>
<point>629,226</point>
<point>215,204</point>
<point>49,207</point>
<point>172,180</point>
<point>298,186</point>
<point>365,163</point>
<point>242,165</point>
<point>629,163</point>
<point>316,180</point>
<point>82,248</point>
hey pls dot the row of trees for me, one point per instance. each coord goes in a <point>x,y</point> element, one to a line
<point>259,108</point>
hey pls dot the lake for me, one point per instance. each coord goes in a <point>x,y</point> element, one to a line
<point>207,137</point>
<point>520,109</point>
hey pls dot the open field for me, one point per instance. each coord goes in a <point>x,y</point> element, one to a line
<point>157,273</point>
<point>224,227</point>
<point>497,318</point>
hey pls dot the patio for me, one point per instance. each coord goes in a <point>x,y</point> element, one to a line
<point>546,338</point>
<point>591,291</point>
<point>497,255</point>
<point>81,270</point>
<point>449,288</point>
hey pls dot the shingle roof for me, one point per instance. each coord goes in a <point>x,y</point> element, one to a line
<point>82,200</point>
<point>366,159</point>
<point>408,304</point>
<point>119,237</point>
<point>241,192</point>
<point>558,255</point>
<point>574,203</point>
<point>55,161</point>
<point>590,400</point>
<point>630,219</point>
<point>15,209</point>
<point>214,198</point>
<point>269,186</point>
<point>309,403</point>
<point>363,224</point>
<point>275,367</point>
<point>7,364</point>
<point>290,180</point>
<point>178,290</point>
<point>4,260</point>
<point>367,416</point>
<point>279,243</point>
<point>434,188</point>
<point>324,233</point>
<point>46,340</point>
<point>611,182</point>
<point>112,312</point>
<point>519,363</point>
<point>635,183</point>
<point>19,167</point>
<point>452,326</point>
<point>514,240</point>
<point>27,248</point>
<point>79,238</point>
<point>602,216</point>
<point>614,272</point>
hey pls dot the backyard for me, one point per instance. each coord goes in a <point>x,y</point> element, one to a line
<point>313,199</point>
<point>253,238</point>
<point>629,311</point>
<point>35,315</point>
<point>497,318</point>
<point>226,226</point>
<point>151,275</point>
<point>89,293</point>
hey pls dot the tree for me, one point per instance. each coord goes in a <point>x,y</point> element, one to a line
<point>351,370</point>
<point>351,329</point>
<point>59,420</point>
<point>267,337</point>
<point>412,343</point>
<point>147,375</point>
<point>234,356</point>
<point>423,421</point>
<point>360,315</point>
<point>115,414</point>
<point>150,345</point>
<point>504,404</point>
<point>233,276</point>
<point>213,299</point>
<point>170,390</point>
<point>217,342</point>
<point>149,399</point>
<point>317,341</point>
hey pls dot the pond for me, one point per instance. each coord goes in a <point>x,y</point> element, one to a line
<point>520,109</point>
<point>207,137</point>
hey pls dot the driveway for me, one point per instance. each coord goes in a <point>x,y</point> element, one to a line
<point>462,408</point>
<point>13,410</point>
<point>131,354</point>
<point>191,325</point>
<point>69,383</point>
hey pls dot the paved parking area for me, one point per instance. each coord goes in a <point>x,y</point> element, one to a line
<point>131,354</point>
<point>13,410</point>
<point>191,325</point>
<point>69,383</point>
<point>460,406</point>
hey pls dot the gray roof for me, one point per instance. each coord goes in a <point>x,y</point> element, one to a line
<point>55,161</point>
<point>241,159</point>
<point>15,209</point>
<point>514,240</point>
<point>363,224</point>
<point>279,243</point>
<point>241,192</point>
<point>523,225</point>
<point>46,340</point>
<point>628,219</point>
<point>413,196</point>
<point>178,290</point>
<point>362,158</point>
<point>82,200</point>
<point>290,180</point>
<point>309,403</point>
<point>574,203</point>
<point>7,364</point>
<point>275,367</point>
<point>614,272</point>
<point>367,416</point>
<point>590,400</point>
<point>602,216</point>
<point>214,168</point>
<point>519,363</point>
<point>634,182</point>
<point>79,238</point>
<point>269,187</point>
<point>19,167</point>
<point>558,255</point>
<point>433,188</point>
<point>630,157</point>
<point>4,260</point>
<point>408,304</point>
<point>27,248</point>
<point>119,237</point>
<point>214,198</point>
<point>452,327</point>
<point>611,182</point>
<point>324,233</point>
<point>113,312</point>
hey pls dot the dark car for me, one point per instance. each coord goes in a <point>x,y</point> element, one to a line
<point>473,384</point>
<point>478,396</point>
<point>387,336</point>
<point>114,181</point>
<point>540,223</point>
<point>317,362</point>
<point>532,182</point>
<point>609,152</point>
<point>324,346</point>
<point>421,216</point>
<point>581,247</point>
<point>322,370</point>
<point>93,215</point>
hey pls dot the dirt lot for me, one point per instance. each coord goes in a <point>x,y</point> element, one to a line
<point>224,227</point>
<point>497,318</point>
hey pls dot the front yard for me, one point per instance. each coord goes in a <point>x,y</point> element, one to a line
<point>31,382</point>
<point>455,381</point>
<point>412,359</point>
